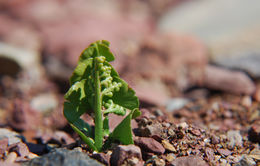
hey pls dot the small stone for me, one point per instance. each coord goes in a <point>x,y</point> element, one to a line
<point>176,104</point>
<point>32,155</point>
<point>223,161</point>
<point>247,161</point>
<point>102,157</point>
<point>255,154</point>
<point>246,101</point>
<point>3,146</point>
<point>217,157</point>
<point>195,132</point>
<point>124,152</point>
<point>209,153</point>
<point>189,161</point>
<point>64,157</point>
<point>44,102</point>
<point>235,139</point>
<point>150,130</point>
<point>183,125</point>
<point>13,137</point>
<point>170,157</point>
<point>254,133</point>
<point>11,157</point>
<point>159,162</point>
<point>235,82</point>
<point>149,145</point>
<point>158,112</point>
<point>214,139</point>
<point>21,149</point>
<point>62,137</point>
<point>168,146</point>
<point>23,117</point>
<point>131,162</point>
<point>224,152</point>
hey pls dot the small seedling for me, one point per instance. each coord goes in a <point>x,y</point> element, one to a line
<point>97,87</point>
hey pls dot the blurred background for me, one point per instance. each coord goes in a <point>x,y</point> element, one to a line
<point>167,50</point>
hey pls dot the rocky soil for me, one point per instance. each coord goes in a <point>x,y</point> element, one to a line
<point>198,106</point>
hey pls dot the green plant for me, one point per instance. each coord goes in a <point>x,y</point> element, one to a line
<point>96,86</point>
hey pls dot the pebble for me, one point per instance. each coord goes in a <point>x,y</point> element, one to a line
<point>189,161</point>
<point>22,60</point>
<point>149,145</point>
<point>11,157</point>
<point>64,157</point>
<point>246,101</point>
<point>234,138</point>
<point>176,104</point>
<point>44,102</point>
<point>235,82</point>
<point>170,157</point>
<point>20,148</point>
<point>124,152</point>
<point>183,125</point>
<point>13,137</point>
<point>224,152</point>
<point>102,157</point>
<point>247,161</point>
<point>168,146</point>
<point>254,133</point>
<point>159,162</point>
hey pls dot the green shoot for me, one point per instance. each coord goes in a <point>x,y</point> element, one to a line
<point>96,86</point>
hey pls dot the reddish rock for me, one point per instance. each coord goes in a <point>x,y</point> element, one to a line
<point>189,161</point>
<point>257,92</point>
<point>149,145</point>
<point>146,113</point>
<point>195,132</point>
<point>102,157</point>
<point>209,153</point>
<point>62,137</point>
<point>226,80</point>
<point>169,58</point>
<point>23,117</point>
<point>224,152</point>
<point>122,154</point>
<point>20,148</point>
<point>3,146</point>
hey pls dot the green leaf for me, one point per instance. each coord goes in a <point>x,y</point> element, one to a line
<point>106,126</point>
<point>123,132</point>
<point>86,139</point>
<point>75,104</point>
<point>83,127</point>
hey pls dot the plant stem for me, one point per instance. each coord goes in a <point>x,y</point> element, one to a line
<point>97,109</point>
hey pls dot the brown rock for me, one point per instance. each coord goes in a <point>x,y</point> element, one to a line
<point>189,161</point>
<point>23,117</point>
<point>183,57</point>
<point>195,132</point>
<point>102,157</point>
<point>62,137</point>
<point>21,149</point>
<point>3,146</point>
<point>168,146</point>
<point>254,133</point>
<point>122,154</point>
<point>226,80</point>
<point>209,153</point>
<point>149,145</point>
<point>224,152</point>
